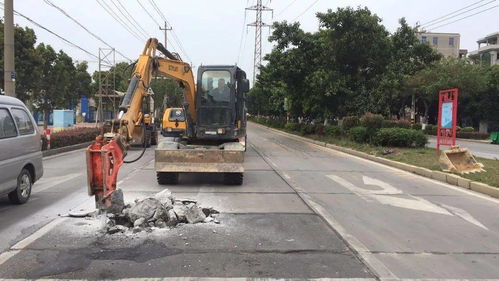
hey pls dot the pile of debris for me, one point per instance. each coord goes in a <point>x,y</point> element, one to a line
<point>160,211</point>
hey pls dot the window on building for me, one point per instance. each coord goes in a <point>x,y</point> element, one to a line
<point>23,121</point>
<point>435,41</point>
<point>451,41</point>
<point>424,39</point>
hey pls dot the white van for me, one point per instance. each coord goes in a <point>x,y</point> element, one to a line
<point>20,150</point>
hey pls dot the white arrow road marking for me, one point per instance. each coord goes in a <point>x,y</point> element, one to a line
<point>464,215</point>
<point>361,192</point>
<point>383,196</point>
<point>415,203</point>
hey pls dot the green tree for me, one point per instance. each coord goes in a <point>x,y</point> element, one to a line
<point>82,79</point>
<point>57,87</point>
<point>408,56</point>
<point>26,62</point>
<point>470,79</point>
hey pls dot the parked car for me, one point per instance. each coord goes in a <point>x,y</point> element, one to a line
<point>20,150</point>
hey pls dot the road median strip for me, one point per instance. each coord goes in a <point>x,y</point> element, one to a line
<point>435,175</point>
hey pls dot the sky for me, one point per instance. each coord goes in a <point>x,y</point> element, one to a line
<point>215,32</point>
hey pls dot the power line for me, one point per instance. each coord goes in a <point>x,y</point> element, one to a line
<point>241,39</point>
<point>467,11</point>
<point>308,8</point>
<point>471,5</point>
<point>153,19</point>
<point>137,27</point>
<point>119,20</point>
<point>175,37</point>
<point>158,10</point>
<point>147,12</point>
<point>82,26</point>
<point>51,32</point>
<point>479,12</point>
<point>289,5</point>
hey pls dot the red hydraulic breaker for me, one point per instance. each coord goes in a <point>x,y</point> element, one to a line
<point>104,159</point>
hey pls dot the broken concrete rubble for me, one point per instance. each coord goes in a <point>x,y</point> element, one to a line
<point>194,214</point>
<point>144,209</point>
<point>118,202</point>
<point>159,211</point>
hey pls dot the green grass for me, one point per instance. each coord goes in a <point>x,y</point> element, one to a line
<point>421,157</point>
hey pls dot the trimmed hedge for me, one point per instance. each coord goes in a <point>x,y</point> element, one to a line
<point>70,137</point>
<point>393,136</point>
<point>307,129</point>
<point>396,124</point>
<point>400,137</point>
<point>350,122</point>
<point>292,126</point>
<point>467,130</point>
<point>462,133</point>
<point>359,134</point>
<point>472,135</point>
<point>372,122</point>
<point>333,131</point>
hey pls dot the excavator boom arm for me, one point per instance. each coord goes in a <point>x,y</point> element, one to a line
<point>105,155</point>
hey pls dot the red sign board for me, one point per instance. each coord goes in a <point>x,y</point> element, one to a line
<point>447,118</point>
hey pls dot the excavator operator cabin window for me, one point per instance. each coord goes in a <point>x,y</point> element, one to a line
<point>215,87</point>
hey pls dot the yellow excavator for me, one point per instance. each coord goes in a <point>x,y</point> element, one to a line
<point>173,124</point>
<point>215,136</point>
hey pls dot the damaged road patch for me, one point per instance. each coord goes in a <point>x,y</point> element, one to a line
<point>159,211</point>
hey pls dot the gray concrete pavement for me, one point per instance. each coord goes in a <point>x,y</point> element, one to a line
<point>304,211</point>
<point>480,149</point>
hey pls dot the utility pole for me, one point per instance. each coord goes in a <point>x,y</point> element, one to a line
<point>258,24</point>
<point>9,77</point>
<point>107,82</point>
<point>166,29</point>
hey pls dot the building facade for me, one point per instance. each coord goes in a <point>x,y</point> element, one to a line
<point>446,44</point>
<point>488,50</point>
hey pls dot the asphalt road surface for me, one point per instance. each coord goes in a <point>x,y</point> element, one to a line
<point>480,149</point>
<point>304,211</point>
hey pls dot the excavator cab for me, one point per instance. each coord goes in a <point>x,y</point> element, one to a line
<point>220,110</point>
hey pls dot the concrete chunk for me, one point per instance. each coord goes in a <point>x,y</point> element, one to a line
<point>172,218</point>
<point>117,202</point>
<point>180,210</point>
<point>144,209</point>
<point>165,197</point>
<point>195,214</point>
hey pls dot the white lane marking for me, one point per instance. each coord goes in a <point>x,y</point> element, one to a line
<point>464,215</point>
<point>39,233</point>
<point>380,269</point>
<point>5,256</point>
<point>382,195</point>
<point>271,162</point>
<point>346,155</point>
<point>49,182</point>
<point>414,203</point>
